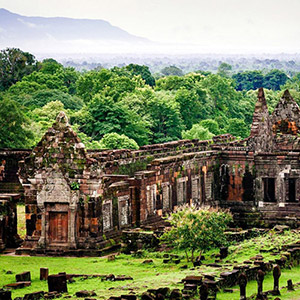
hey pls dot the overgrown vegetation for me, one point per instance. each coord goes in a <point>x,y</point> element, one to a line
<point>197,229</point>
<point>154,275</point>
<point>130,101</point>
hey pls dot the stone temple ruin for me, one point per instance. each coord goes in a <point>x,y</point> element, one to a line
<point>79,199</point>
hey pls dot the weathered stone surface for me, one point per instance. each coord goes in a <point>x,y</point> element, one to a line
<point>57,283</point>
<point>276,276</point>
<point>18,285</point>
<point>5,295</point>
<point>290,285</point>
<point>85,293</point>
<point>34,296</point>
<point>44,272</point>
<point>243,283</point>
<point>260,280</point>
<point>25,276</point>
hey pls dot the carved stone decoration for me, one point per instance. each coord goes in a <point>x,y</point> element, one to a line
<point>107,215</point>
<point>56,189</point>
<point>166,195</point>
<point>123,211</point>
<point>181,190</point>
<point>151,198</point>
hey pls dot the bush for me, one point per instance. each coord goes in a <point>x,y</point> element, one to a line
<point>197,229</point>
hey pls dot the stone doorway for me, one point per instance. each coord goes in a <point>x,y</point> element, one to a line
<point>58,227</point>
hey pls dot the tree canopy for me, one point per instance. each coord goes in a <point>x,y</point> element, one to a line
<point>128,100</point>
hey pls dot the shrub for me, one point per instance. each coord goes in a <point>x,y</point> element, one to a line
<point>197,229</point>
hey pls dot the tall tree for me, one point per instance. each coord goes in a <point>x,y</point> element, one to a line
<point>14,64</point>
<point>14,129</point>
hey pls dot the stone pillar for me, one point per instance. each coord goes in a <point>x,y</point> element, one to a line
<point>71,225</point>
<point>260,279</point>
<point>44,273</point>
<point>42,239</point>
<point>243,283</point>
<point>276,275</point>
<point>203,292</point>
<point>223,252</point>
<point>57,283</point>
<point>290,285</point>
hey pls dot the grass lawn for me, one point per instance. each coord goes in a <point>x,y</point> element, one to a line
<point>145,275</point>
<point>154,275</point>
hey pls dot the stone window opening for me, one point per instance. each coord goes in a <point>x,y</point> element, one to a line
<point>291,190</point>
<point>269,189</point>
<point>107,215</point>
<point>196,191</point>
<point>167,196</point>
<point>181,191</point>
<point>123,207</point>
<point>151,198</point>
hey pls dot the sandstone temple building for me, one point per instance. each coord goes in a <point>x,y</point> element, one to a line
<point>78,199</point>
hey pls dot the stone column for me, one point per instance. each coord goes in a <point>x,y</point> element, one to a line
<point>42,239</point>
<point>243,283</point>
<point>260,279</point>
<point>276,275</point>
<point>203,292</point>
<point>72,225</point>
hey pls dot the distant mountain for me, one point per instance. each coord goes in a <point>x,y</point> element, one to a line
<point>62,34</point>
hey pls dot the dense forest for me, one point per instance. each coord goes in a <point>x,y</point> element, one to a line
<point>126,107</point>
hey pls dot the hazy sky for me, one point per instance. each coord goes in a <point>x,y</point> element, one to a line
<point>215,25</point>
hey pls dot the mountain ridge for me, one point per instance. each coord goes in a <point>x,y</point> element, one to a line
<point>16,29</point>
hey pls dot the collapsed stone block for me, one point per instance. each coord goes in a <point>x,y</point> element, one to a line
<point>25,276</point>
<point>57,283</point>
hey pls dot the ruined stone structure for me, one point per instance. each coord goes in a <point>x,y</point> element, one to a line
<point>79,199</point>
<point>9,237</point>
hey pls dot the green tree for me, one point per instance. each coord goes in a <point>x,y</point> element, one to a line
<point>197,132</point>
<point>191,105</point>
<point>211,125</point>
<point>106,116</point>
<point>197,229</point>
<point>172,70</point>
<point>50,81</point>
<point>50,66</point>
<point>224,69</point>
<point>222,96</point>
<point>117,141</point>
<point>44,117</point>
<point>42,97</point>
<point>14,64</point>
<point>143,71</point>
<point>249,80</point>
<point>14,129</point>
<point>170,83</point>
<point>166,122</point>
<point>238,128</point>
<point>274,79</point>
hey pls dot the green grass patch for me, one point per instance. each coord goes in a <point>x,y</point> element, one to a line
<point>153,275</point>
<point>21,220</point>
